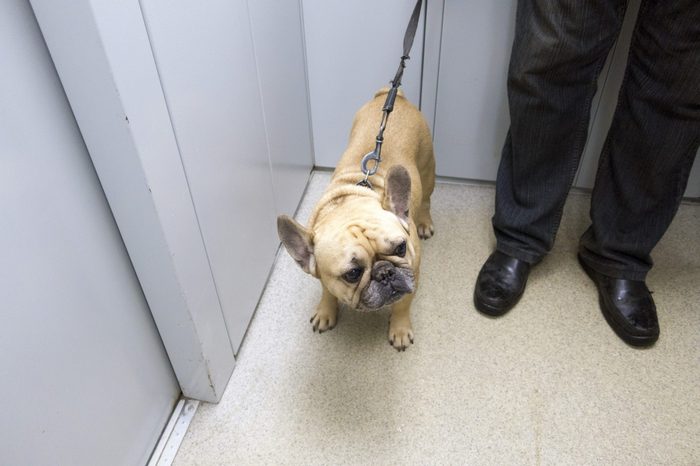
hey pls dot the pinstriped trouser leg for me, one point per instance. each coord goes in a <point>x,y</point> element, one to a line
<point>650,148</point>
<point>558,52</point>
<point>652,143</point>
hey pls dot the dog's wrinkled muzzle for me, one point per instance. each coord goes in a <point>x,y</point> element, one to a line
<point>389,283</point>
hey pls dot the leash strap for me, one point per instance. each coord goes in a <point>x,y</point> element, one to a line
<point>375,155</point>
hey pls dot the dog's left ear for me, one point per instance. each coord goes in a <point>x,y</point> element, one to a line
<point>298,242</point>
<point>397,197</point>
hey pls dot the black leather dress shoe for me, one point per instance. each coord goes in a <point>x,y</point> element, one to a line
<point>500,284</point>
<point>627,306</point>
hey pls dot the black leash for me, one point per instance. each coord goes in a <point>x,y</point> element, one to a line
<point>376,154</point>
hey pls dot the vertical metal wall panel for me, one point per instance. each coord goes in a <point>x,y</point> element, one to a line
<point>104,60</point>
<point>604,108</point>
<point>353,49</point>
<point>207,69</point>
<point>431,59</point>
<point>279,51</point>
<point>471,118</point>
<point>85,378</point>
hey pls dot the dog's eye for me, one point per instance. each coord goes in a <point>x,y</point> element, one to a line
<point>354,275</point>
<point>400,250</point>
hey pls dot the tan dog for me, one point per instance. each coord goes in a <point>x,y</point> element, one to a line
<point>363,244</point>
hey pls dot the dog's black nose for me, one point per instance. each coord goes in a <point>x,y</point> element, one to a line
<point>383,271</point>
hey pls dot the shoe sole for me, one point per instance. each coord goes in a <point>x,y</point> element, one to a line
<point>492,311</point>
<point>632,340</point>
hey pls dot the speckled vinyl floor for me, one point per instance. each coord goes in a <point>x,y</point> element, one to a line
<point>549,383</point>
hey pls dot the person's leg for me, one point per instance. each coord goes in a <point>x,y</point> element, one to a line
<point>558,52</point>
<point>650,148</point>
<point>645,163</point>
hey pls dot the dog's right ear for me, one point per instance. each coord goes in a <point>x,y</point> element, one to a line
<point>297,241</point>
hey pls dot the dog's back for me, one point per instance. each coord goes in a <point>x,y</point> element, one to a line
<point>406,138</point>
<point>407,142</point>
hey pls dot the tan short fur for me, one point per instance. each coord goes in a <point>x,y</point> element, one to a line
<point>355,227</point>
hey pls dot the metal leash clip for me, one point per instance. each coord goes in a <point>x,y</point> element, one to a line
<point>375,156</point>
<point>366,159</point>
<point>369,171</point>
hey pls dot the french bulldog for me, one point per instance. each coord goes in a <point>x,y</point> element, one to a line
<point>361,242</point>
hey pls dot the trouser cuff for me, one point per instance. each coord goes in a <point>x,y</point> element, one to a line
<point>615,271</point>
<point>519,254</point>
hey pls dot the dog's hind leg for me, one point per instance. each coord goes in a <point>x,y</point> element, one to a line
<point>424,221</point>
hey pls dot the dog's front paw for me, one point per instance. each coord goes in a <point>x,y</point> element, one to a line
<point>324,320</point>
<point>400,335</point>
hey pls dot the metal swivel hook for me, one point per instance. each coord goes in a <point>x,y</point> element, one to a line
<point>365,161</point>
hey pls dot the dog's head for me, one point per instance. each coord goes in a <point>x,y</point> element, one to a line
<point>363,252</point>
